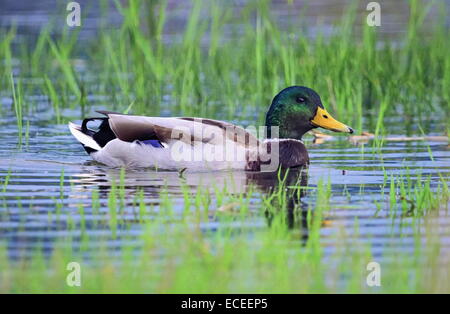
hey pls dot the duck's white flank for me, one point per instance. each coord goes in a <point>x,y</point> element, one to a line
<point>174,155</point>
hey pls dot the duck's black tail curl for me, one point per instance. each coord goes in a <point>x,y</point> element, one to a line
<point>104,133</point>
<point>92,140</point>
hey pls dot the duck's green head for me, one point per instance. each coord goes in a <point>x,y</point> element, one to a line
<point>298,109</point>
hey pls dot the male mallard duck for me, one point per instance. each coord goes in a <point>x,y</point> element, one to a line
<point>205,144</point>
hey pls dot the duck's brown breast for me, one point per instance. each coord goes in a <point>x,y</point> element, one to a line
<point>276,153</point>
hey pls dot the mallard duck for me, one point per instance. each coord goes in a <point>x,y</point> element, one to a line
<point>206,144</point>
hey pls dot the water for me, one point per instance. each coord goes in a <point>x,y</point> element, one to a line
<point>316,16</point>
<point>356,174</point>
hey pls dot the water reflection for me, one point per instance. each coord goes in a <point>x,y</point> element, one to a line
<point>151,184</point>
<point>296,210</point>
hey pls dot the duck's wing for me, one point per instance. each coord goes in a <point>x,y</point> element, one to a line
<point>223,130</point>
<point>130,128</point>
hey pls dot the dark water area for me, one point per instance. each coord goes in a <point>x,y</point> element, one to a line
<point>314,16</point>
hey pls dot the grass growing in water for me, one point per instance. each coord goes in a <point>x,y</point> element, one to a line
<point>211,73</point>
<point>17,101</point>
<point>235,257</point>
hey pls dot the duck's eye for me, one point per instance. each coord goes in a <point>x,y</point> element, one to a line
<point>300,100</point>
<point>325,116</point>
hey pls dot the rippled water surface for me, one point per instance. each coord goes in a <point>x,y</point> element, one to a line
<point>51,165</point>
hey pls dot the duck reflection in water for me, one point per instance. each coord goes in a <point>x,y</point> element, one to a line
<point>293,182</point>
<point>151,183</point>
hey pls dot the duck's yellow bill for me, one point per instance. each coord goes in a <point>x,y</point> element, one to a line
<point>324,120</point>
